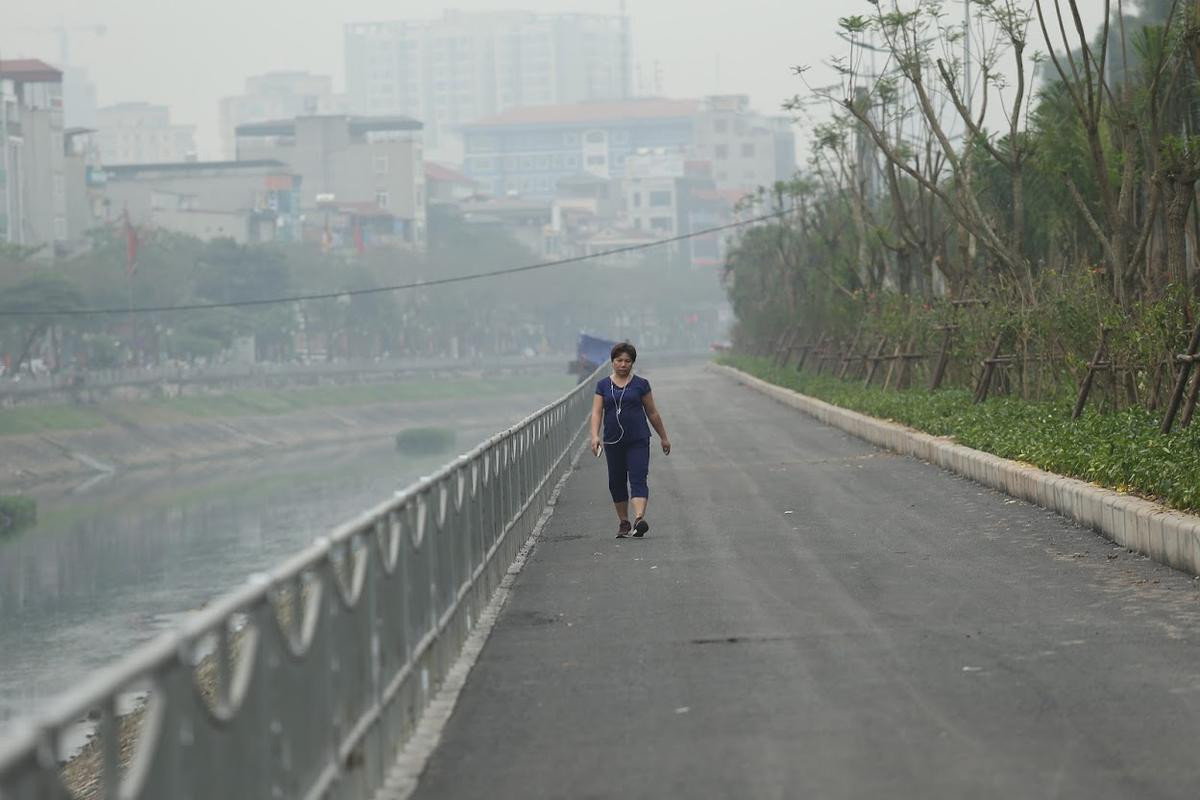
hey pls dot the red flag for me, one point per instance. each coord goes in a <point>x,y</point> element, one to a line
<point>131,246</point>
<point>359,244</point>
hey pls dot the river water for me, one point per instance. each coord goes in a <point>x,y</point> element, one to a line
<point>116,561</point>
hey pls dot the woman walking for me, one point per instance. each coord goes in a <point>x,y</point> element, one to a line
<point>624,402</point>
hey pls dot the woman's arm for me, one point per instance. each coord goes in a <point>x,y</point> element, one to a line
<point>656,421</point>
<point>597,413</point>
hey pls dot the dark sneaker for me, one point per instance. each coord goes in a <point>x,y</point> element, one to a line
<point>623,529</point>
<point>640,527</point>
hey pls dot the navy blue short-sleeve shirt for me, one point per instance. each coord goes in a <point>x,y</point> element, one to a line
<point>624,414</point>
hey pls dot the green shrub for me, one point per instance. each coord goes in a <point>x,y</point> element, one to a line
<point>16,513</point>
<point>424,441</point>
<point>1122,450</point>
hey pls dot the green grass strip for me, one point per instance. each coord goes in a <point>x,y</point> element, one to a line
<point>46,419</point>
<point>1122,450</point>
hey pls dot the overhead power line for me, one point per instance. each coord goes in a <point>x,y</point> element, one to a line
<point>423,284</point>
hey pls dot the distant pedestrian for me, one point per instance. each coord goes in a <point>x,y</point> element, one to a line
<point>625,405</point>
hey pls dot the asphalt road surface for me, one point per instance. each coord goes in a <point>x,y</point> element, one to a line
<point>811,617</point>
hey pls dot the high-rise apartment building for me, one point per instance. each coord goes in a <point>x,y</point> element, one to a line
<point>278,96</point>
<point>142,133</point>
<point>466,66</point>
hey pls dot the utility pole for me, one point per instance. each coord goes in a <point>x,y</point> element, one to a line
<point>4,165</point>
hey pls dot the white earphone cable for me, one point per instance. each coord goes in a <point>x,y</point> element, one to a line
<point>617,404</point>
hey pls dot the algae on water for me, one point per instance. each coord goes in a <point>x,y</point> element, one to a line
<point>17,513</point>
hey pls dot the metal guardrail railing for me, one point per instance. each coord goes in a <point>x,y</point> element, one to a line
<point>307,681</point>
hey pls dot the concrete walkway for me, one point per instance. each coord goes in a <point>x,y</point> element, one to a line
<point>812,617</point>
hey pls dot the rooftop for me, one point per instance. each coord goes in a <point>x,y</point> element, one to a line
<point>131,170</point>
<point>583,113</point>
<point>29,70</point>
<point>287,127</point>
<point>440,172</point>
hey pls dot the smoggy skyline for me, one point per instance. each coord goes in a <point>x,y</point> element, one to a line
<point>188,56</point>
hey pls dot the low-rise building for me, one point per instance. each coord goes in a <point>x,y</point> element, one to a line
<point>247,201</point>
<point>747,149</point>
<point>142,133</point>
<point>444,184</point>
<point>529,150</point>
<point>277,95</point>
<point>526,220</point>
<point>349,162</point>
<point>670,196</point>
<point>81,157</point>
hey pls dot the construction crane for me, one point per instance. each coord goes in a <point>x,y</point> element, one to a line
<point>64,32</point>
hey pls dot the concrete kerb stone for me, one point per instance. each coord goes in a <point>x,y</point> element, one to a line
<point>1167,536</point>
<point>1190,557</point>
<point>1141,539</point>
<point>1175,530</point>
<point>1156,546</point>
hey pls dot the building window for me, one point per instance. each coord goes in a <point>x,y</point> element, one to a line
<point>60,229</point>
<point>720,125</point>
<point>595,137</point>
<point>597,161</point>
<point>571,138</point>
<point>572,161</point>
<point>381,165</point>
<point>660,199</point>
<point>660,224</point>
<point>748,150</point>
<point>382,200</point>
<point>721,151</point>
<point>637,199</point>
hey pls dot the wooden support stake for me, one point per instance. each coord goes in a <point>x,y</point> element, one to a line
<point>1185,372</point>
<point>874,362</point>
<point>807,351</point>
<point>1189,408</point>
<point>846,359</point>
<point>784,354</point>
<point>828,355</point>
<point>895,359</point>
<point>939,372</point>
<point>1085,387</point>
<point>989,369</point>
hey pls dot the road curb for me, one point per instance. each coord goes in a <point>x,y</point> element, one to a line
<point>1165,535</point>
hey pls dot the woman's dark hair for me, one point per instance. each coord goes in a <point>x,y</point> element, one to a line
<point>623,347</point>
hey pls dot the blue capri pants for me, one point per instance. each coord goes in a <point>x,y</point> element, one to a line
<point>628,466</point>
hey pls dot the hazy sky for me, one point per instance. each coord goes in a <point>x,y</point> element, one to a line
<point>190,54</point>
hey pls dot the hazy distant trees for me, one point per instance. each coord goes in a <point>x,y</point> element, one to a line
<point>541,310</point>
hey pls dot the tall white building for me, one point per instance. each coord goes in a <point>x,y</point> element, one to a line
<point>466,66</point>
<point>142,133</point>
<point>33,183</point>
<point>278,96</point>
